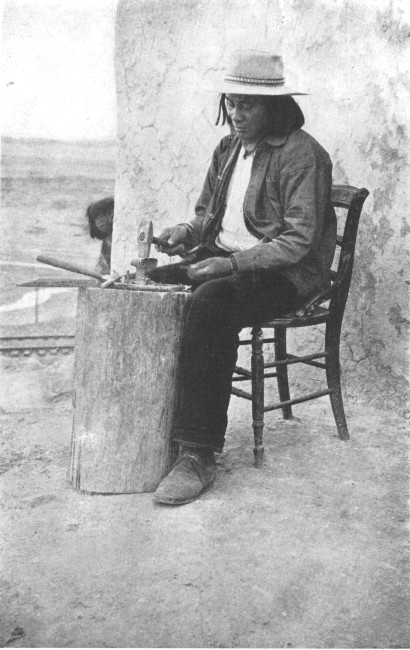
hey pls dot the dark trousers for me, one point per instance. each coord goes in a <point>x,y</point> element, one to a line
<point>216,312</point>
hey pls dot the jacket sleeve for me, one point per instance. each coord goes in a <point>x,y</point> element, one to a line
<point>195,225</point>
<point>304,193</point>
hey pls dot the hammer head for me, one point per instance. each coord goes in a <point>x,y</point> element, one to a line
<point>144,262</point>
<point>145,234</point>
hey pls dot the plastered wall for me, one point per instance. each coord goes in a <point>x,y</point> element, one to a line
<point>351,57</point>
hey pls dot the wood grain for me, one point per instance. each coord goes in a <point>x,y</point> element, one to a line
<point>125,388</point>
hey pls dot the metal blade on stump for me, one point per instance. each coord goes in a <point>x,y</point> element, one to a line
<point>125,388</point>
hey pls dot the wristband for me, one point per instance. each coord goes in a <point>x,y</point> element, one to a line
<point>234,264</point>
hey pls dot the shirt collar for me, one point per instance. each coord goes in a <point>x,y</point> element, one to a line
<point>245,155</point>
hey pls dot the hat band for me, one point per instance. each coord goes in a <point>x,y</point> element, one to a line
<point>255,82</point>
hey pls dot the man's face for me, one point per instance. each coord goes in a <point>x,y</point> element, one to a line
<point>249,116</point>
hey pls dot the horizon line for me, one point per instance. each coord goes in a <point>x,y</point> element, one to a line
<point>68,141</point>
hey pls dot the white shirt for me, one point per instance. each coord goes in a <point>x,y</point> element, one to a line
<point>234,235</point>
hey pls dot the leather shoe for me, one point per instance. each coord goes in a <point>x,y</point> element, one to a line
<point>192,473</point>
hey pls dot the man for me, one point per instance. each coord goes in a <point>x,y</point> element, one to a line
<point>264,232</point>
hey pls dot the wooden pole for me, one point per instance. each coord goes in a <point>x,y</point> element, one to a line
<point>125,388</point>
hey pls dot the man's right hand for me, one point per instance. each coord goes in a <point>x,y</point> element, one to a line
<point>174,237</point>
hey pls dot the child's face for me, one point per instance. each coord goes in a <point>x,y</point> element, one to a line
<point>103,222</point>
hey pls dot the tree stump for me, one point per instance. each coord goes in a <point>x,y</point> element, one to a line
<point>125,388</point>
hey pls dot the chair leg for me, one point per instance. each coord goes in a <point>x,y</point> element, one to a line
<point>332,343</point>
<point>257,394</point>
<point>282,371</point>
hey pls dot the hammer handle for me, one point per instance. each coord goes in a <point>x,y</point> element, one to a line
<point>160,242</point>
<point>67,266</point>
<point>179,249</point>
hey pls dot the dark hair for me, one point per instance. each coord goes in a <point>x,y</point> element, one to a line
<point>285,114</point>
<point>104,207</point>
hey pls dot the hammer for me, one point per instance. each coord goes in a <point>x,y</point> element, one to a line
<point>145,240</point>
<point>144,263</point>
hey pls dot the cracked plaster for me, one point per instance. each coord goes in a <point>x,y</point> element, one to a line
<point>350,56</point>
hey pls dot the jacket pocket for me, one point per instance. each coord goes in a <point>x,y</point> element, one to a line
<point>272,188</point>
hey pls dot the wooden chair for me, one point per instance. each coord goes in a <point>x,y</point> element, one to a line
<point>312,312</point>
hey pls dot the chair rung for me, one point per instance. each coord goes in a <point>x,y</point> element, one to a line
<point>265,376</point>
<point>297,400</point>
<point>243,371</point>
<point>249,341</point>
<point>240,393</point>
<point>290,361</point>
<point>316,364</point>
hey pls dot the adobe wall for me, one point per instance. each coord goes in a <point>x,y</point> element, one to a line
<point>349,55</point>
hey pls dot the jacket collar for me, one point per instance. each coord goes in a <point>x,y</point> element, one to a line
<point>271,140</point>
<point>276,140</point>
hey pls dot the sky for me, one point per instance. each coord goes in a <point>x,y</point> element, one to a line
<point>58,69</point>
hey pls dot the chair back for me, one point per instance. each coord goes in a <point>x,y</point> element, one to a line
<point>351,199</point>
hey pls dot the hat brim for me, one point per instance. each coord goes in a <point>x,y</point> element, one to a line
<point>234,88</point>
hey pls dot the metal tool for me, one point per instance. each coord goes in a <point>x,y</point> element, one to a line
<point>144,263</point>
<point>146,238</point>
<point>111,280</point>
<point>67,266</point>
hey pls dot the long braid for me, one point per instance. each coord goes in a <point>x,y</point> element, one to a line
<point>222,111</point>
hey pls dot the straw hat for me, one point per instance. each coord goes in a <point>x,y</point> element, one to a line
<point>256,73</point>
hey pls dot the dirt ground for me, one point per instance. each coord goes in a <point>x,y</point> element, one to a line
<point>310,551</point>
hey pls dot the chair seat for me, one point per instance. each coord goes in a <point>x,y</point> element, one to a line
<point>316,317</point>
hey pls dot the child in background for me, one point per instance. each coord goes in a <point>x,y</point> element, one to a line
<point>100,217</point>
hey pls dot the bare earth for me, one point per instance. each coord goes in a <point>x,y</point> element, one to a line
<point>310,551</point>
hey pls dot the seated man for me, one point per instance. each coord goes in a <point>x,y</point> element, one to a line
<point>265,233</point>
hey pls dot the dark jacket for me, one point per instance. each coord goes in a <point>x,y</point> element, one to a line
<point>287,206</point>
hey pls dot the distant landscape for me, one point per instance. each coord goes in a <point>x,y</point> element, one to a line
<point>46,186</point>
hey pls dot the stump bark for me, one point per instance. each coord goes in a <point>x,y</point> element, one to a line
<point>125,388</point>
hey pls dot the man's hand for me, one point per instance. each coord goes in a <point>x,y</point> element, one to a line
<point>213,267</point>
<point>174,238</point>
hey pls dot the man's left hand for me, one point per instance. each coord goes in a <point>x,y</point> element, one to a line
<point>213,267</point>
